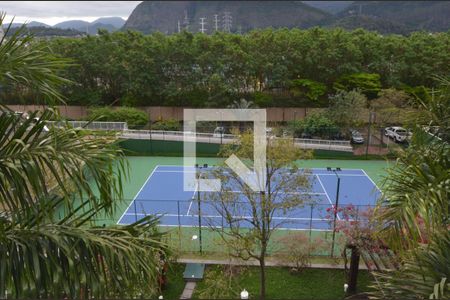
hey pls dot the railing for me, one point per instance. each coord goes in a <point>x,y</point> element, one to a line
<point>228,138</point>
<point>120,126</point>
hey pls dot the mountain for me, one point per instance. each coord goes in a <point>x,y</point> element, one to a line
<point>108,23</point>
<point>404,16</point>
<point>117,22</point>
<point>73,24</point>
<point>30,24</point>
<point>41,31</point>
<point>150,16</point>
<point>331,7</point>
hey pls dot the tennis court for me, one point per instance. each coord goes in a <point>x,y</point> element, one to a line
<point>162,194</point>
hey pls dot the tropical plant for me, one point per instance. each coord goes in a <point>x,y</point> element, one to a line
<point>415,211</point>
<point>25,68</point>
<point>54,184</point>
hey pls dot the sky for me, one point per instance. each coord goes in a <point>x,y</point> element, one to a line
<point>53,12</point>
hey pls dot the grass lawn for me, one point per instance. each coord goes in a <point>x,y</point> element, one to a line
<point>175,282</point>
<point>280,283</point>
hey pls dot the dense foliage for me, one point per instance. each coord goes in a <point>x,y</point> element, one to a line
<point>135,118</point>
<point>269,67</point>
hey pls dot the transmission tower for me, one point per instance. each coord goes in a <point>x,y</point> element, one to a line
<point>216,22</point>
<point>202,24</point>
<point>179,26</point>
<point>186,21</point>
<point>227,21</point>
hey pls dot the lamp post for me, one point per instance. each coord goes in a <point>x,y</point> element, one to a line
<point>198,168</point>
<point>336,203</point>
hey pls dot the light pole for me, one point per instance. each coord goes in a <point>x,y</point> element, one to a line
<point>198,168</point>
<point>336,203</point>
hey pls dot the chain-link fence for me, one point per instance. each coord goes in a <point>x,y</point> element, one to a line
<point>200,225</point>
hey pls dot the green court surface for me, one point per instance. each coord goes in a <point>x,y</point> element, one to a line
<point>180,238</point>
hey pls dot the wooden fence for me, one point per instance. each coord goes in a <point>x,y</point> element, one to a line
<point>274,114</point>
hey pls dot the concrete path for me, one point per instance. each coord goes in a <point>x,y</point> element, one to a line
<point>188,290</point>
<point>269,263</point>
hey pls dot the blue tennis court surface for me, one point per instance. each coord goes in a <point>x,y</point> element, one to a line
<point>162,194</point>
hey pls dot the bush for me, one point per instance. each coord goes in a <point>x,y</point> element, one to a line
<point>135,118</point>
<point>314,125</point>
<point>170,124</point>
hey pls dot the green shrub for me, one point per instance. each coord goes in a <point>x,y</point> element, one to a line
<point>316,124</point>
<point>135,118</point>
<point>170,124</point>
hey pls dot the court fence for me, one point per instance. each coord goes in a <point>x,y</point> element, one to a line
<point>193,226</point>
<point>114,126</point>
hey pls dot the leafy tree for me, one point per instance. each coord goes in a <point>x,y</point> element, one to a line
<point>248,238</point>
<point>346,107</point>
<point>390,106</point>
<point>310,89</point>
<point>368,84</point>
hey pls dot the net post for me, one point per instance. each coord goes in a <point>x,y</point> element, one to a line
<point>310,222</point>
<point>135,210</point>
<point>179,223</point>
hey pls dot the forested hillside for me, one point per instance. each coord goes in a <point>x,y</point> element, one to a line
<point>236,16</point>
<point>270,67</point>
<point>400,17</point>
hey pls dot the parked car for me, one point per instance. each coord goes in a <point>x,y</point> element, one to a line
<point>398,134</point>
<point>356,137</point>
<point>219,132</point>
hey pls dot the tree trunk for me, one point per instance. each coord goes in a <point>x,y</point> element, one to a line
<point>354,267</point>
<point>262,294</point>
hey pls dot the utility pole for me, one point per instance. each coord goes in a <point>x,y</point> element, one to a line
<point>216,22</point>
<point>227,21</point>
<point>202,24</point>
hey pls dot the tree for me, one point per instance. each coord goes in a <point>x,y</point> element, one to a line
<point>54,184</point>
<point>251,217</point>
<point>347,108</point>
<point>368,84</point>
<point>310,89</point>
<point>415,209</point>
<point>390,106</point>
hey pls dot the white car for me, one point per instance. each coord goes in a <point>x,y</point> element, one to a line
<point>219,132</point>
<point>398,134</point>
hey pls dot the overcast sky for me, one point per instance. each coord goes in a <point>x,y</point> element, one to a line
<point>52,12</point>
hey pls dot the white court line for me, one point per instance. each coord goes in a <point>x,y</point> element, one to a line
<point>281,228</point>
<point>235,217</point>
<point>372,181</point>
<point>321,174</point>
<point>145,183</point>
<point>192,200</point>
<point>328,197</point>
